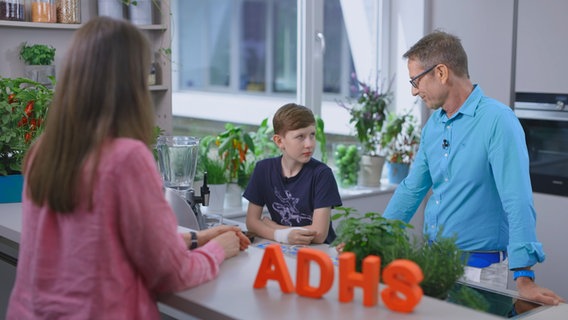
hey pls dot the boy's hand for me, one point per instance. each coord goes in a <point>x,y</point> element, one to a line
<point>301,236</point>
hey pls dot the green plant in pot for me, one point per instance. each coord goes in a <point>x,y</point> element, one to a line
<point>441,261</point>
<point>39,62</point>
<point>399,144</point>
<point>236,148</point>
<point>347,160</point>
<point>23,110</point>
<point>210,163</point>
<point>264,146</point>
<point>368,114</point>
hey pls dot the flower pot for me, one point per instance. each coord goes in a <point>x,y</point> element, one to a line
<point>39,73</point>
<point>11,187</point>
<point>370,171</point>
<point>233,197</point>
<point>217,197</point>
<point>397,171</point>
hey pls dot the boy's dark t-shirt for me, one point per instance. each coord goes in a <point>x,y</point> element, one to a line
<point>292,201</point>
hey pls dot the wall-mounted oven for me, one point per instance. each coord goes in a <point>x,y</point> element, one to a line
<point>544,117</point>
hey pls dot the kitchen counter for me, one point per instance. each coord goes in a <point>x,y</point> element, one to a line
<point>231,295</point>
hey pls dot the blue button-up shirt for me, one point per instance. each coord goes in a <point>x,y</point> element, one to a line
<point>477,165</point>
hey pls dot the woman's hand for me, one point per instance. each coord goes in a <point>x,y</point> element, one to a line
<point>230,243</point>
<point>207,235</point>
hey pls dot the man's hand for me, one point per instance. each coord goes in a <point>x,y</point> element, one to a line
<point>529,290</point>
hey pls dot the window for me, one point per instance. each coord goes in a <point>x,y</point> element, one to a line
<point>236,60</point>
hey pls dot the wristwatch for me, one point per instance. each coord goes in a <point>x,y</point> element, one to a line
<point>193,244</point>
<point>523,273</point>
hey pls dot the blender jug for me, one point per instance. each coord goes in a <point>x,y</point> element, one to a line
<point>177,161</point>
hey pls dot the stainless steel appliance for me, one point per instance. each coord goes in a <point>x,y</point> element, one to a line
<point>544,117</point>
<point>177,161</point>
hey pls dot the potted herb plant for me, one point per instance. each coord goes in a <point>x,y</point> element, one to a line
<point>210,163</point>
<point>347,161</point>
<point>368,114</point>
<point>399,144</point>
<point>23,110</point>
<point>39,62</point>
<point>235,148</point>
<point>370,234</point>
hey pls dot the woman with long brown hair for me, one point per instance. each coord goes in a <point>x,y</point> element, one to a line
<point>98,238</point>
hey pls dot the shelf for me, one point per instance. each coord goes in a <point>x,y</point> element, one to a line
<point>65,26</point>
<point>39,25</point>
<point>158,88</point>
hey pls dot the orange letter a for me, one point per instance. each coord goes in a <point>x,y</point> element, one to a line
<point>273,267</point>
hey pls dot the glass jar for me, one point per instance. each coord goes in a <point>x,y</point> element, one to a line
<point>43,11</point>
<point>152,76</point>
<point>12,10</point>
<point>69,11</point>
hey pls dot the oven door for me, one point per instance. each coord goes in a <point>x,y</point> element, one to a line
<point>547,143</point>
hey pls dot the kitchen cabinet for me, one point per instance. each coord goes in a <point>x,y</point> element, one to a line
<point>8,260</point>
<point>486,29</point>
<point>541,46</point>
<point>14,33</point>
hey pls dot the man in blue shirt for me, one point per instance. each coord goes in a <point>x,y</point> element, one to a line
<point>473,157</point>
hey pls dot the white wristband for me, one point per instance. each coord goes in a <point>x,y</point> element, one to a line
<point>281,235</point>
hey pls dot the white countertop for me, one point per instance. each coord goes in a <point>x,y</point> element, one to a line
<point>232,296</point>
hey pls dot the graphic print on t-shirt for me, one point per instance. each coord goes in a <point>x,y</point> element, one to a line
<point>286,208</point>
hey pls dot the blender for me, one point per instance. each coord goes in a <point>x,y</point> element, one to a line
<point>177,162</point>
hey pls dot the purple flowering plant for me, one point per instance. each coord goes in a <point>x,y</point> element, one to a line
<point>368,112</point>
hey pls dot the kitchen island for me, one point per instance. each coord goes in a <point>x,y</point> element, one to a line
<point>231,295</point>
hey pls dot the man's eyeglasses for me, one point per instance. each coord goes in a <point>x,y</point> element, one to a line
<point>413,80</point>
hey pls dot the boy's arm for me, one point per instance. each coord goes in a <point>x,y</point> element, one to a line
<point>265,228</point>
<point>255,224</point>
<point>320,224</point>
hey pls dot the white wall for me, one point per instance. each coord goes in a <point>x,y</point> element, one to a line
<point>552,220</point>
<point>486,30</point>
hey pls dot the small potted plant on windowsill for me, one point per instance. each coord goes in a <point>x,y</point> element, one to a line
<point>214,167</point>
<point>235,148</point>
<point>368,114</point>
<point>39,62</point>
<point>399,144</point>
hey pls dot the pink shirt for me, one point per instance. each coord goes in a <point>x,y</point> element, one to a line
<point>112,261</point>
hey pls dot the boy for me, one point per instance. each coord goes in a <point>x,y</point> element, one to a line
<point>298,191</point>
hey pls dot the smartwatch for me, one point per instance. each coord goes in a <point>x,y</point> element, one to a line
<point>193,244</point>
<point>523,273</point>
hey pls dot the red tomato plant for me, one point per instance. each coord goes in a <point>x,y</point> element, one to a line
<point>23,110</point>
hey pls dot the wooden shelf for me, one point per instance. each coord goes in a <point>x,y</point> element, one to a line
<point>38,25</point>
<point>159,88</point>
<point>41,25</point>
